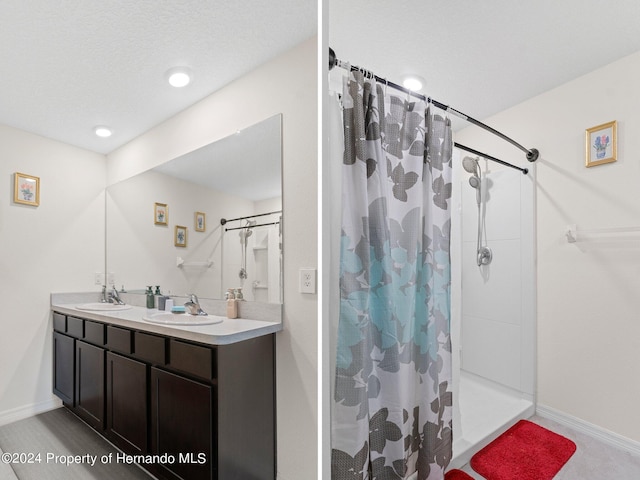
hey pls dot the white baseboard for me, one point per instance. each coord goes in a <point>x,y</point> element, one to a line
<point>26,411</point>
<point>594,431</point>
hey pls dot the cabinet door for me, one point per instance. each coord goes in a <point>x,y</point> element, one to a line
<point>90,384</point>
<point>127,403</point>
<point>181,425</point>
<point>63,367</point>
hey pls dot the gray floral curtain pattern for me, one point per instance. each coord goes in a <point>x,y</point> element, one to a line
<point>392,408</point>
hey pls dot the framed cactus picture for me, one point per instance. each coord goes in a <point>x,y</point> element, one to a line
<point>160,213</point>
<point>601,144</point>
<point>180,236</point>
<point>201,221</point>
<point>26,189</point>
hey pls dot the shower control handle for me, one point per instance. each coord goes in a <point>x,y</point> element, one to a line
<point>485,255</point>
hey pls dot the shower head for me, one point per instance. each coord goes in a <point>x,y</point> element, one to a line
<point>247,230</point>
<point>470,165</point>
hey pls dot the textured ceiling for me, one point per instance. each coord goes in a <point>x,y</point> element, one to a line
<point>482,57</point>
<point>69,65</point>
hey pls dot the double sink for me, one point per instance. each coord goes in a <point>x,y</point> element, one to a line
<point>165,318</point>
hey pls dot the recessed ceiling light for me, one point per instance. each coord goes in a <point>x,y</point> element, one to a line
<point>102,131</point>
<point>179,77</point>
<point>413,82</point>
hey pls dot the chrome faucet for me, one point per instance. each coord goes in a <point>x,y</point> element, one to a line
<point>193,306</point>
<point>112,296</point>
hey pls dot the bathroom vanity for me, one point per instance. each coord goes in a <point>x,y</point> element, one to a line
<point>189,402</point>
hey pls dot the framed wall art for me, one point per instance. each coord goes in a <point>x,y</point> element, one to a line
<point>160,213</point>
<point>201,222</point>
<point>601,145</point>
<point>26,189</point>
<point>180,236</point>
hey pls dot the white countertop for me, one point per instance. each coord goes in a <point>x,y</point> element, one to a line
<point>228,331</point>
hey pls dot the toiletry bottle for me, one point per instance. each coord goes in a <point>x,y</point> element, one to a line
<point>229,295</point>
<point>232,308</point>
<point>160,299</point>
<point>151,300</point>
<point>161,302</point>
<point>238,294</point>
<point>168,304</point>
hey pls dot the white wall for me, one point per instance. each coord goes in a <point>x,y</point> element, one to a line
<point>286,85</point>
<point>588,301</point>
<point>140,253</point>
<point>54,247</point>
<point>497,318</point>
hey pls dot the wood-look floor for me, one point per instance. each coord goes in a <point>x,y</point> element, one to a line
<point>59,432</point>
<point>54,435</point>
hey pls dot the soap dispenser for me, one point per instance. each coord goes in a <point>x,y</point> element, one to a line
<point>151,300</point>
<point>232,305</point>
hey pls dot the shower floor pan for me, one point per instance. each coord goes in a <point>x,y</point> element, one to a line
<point>487,409</point>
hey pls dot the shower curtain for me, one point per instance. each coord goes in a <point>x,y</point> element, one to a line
<point>392,405</point>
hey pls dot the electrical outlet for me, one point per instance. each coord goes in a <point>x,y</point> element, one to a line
<point>111,278</point>
<point>98,278</point>
<point>307,280</point>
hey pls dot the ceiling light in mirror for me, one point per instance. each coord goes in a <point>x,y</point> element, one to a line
<point>179,77</point>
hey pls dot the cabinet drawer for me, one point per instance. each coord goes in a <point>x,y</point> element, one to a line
<point>59,322</point>
<point>119,339</point>
<point>192,359</point>
<point>150,348</point>
<point>94,332</point>
<point>75,327</point>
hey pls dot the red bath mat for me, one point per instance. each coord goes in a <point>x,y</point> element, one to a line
<point>457,475</point>
<point>524,452</point>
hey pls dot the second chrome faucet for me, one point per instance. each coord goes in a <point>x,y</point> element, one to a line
<point>193,306</point>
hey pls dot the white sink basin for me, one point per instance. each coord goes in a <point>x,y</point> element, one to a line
<point>102,307</point>
<point>168,318</point>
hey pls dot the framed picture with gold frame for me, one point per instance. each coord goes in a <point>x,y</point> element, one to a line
<point>180,236</point>
<point>200,222</point>
<point>601,144</point>
<point>160,213</point>
<point>26,189</point>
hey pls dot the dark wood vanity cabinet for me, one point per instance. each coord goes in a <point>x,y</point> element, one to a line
<point>181,424</point>
<point>90,384</point>
<point>127,405</point>
<point>210,408</point>
<point>64,368</point>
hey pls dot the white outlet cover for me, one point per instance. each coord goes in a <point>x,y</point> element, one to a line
<point>307,282</point>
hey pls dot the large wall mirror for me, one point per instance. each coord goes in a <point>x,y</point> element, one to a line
<point>164,225</point>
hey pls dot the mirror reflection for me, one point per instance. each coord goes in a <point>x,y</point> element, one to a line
<point>164,225</point>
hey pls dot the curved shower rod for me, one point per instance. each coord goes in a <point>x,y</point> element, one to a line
<point>251,226</point>
<point>489,157</point>
<point>223,221</point>
<point>532,154</point>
